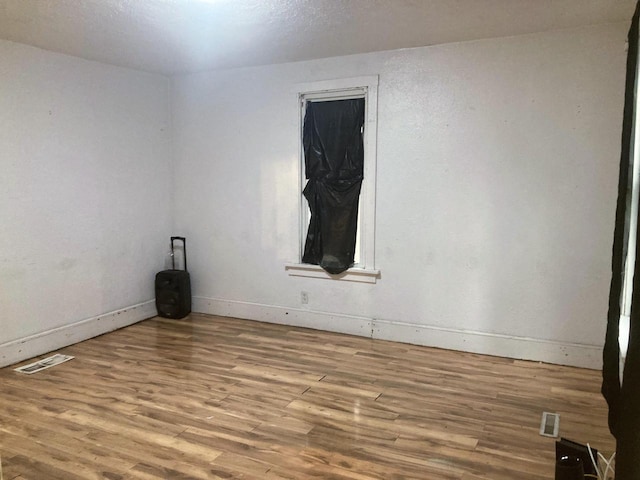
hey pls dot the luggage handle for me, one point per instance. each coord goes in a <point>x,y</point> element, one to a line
<point>184,246</point>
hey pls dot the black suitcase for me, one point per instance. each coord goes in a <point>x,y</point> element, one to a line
<point>173,288</point>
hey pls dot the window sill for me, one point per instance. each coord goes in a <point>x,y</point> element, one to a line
<point>354,274</point>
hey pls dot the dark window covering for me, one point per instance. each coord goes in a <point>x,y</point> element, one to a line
<point>334,162</point>
<point>624,401</point>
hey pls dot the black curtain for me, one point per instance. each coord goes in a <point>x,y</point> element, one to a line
<point>334,160</point>
<point>624,401</point>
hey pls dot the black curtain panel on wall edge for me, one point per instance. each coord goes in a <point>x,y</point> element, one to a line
<point>624,397</point>
<point>334,163</point>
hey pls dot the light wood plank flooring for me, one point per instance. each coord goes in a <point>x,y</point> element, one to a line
<point>219,398</point>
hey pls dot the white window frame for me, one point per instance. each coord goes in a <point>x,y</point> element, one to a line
<point>340,89</point>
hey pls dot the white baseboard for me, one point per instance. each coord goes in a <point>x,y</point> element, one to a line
<point>522,348</point>
<point>28,347</point>
<point>348,324</point>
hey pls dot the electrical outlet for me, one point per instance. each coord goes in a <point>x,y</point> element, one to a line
<point>304,298</point>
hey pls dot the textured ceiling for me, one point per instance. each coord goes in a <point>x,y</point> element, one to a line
<point>176,36</point>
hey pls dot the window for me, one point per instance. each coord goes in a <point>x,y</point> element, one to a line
<point>365,88</point>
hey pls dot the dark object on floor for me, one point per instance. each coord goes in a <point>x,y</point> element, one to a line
<point>173,288</point>
<point>569,448</point>
<point>569,468</point>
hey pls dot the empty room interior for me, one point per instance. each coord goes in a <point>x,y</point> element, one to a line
<point>474,291</point>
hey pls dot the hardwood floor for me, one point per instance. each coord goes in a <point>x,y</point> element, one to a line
<point>218,398</point>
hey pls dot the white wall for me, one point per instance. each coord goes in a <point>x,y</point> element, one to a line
<point>85,197</point>
<point>496,188</point>
<point>497,172</point>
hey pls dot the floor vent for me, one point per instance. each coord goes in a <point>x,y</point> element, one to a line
<point>550,424</point>
<point>48,362</point>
